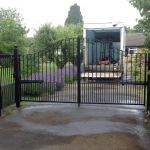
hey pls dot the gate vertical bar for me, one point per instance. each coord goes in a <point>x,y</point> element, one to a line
<point>122,65</point>
<point>78,55</point>
<point>20,78</point>
<point>0,99</point>
<point>145,77</point>
<point>148,86</point>
<point>16,76</point>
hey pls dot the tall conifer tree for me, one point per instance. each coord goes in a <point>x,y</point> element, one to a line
<point>74,15</point>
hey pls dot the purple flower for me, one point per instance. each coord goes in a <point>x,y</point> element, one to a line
<point>55,80</point>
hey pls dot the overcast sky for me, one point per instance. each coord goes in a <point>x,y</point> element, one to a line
<point>39,12</point>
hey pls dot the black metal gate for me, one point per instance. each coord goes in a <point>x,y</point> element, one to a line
<point>73,76</point>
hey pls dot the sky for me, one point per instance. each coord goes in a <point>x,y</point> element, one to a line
<point>38,12</point>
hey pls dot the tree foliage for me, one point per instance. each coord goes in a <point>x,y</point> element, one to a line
<point>11,12</point>
<point>47,35</point>
<point>31,45</point>
<point>44,36</point>
<point>69,31</point>
<point>69,49</point>
<point>129,30</point>
<point>30,41</point>
<point>29,65</point>
<point>12,33</point>
<point>143,7</point>
<point>139,28</point>
<point>74,15</point>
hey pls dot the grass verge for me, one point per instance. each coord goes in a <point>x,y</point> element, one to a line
<point>12,108</point>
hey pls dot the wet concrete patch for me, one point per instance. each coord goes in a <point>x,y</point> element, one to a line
<point>108,141</point>
<point>48,117</point>
<point>124,119</point>
<point>9,125</point>
<point>23,140</point>
<point>65,126</point>
<point>57,118</point>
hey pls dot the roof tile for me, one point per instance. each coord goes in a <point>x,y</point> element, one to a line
<point>135,39</point>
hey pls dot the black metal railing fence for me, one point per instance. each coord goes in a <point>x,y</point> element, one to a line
<point>106,84</point>
<point>7,81</point>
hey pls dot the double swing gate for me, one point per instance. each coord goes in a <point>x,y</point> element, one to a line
<point>82,71</point>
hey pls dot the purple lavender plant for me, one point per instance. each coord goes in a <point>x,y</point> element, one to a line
<point>55,80</point>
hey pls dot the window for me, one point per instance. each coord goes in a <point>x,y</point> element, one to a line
<point>132,50</point>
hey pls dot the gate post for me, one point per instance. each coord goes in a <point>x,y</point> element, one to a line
<point>78,56</point>
<point>16,76</point>
<point>148,86</point>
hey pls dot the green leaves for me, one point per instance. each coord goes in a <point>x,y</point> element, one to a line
<point>74,15</point>
<point>69,31</point>
<point>44,59</point>
<point>45,36</point>
<point>11,13</point>
<point>29,65</point>
<point>143,25</point>
<point>129,30</point>
<point>143,7</point>
<point>12,33</point>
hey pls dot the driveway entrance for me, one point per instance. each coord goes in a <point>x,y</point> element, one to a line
<point>51,126</point>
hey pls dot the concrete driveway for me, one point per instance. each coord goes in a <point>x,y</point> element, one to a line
<point>64,126</point>
<point>58,126</point>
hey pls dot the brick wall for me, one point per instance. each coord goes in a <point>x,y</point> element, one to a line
<point>139,49</point>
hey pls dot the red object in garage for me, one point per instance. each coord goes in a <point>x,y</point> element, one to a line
<point>90,72</point>
<point>103,62</point>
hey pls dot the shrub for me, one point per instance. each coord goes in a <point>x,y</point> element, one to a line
<point>56,80</point>
<point>52,81</point>
<point>136,72</point>
<point>44,59</point>
<point>29,62</point>
<point>74,59</point>
<point>140,78</point>
<point>7,62</point>
<point>69,72</point>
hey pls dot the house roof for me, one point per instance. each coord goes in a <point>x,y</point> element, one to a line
<point>135,39</point>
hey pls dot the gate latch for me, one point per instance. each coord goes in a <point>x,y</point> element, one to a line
<point>14,75</point>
